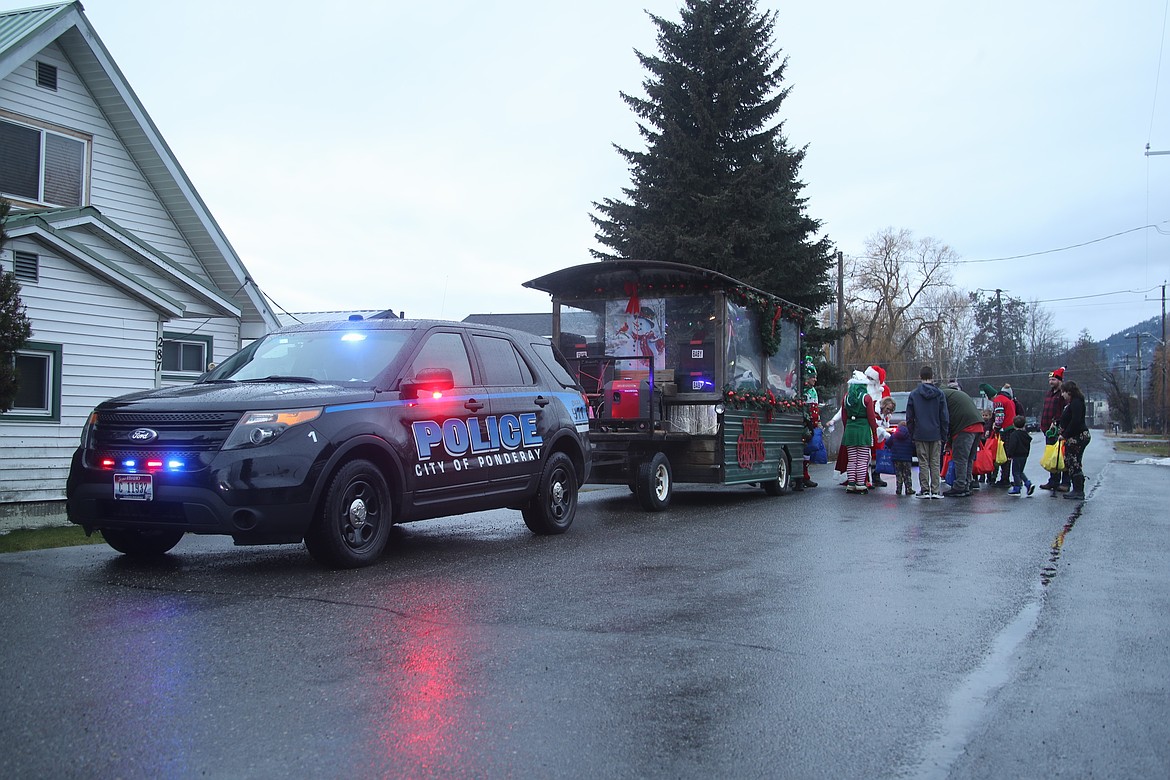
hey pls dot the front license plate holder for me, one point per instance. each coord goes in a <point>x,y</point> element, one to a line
<point>134,487</point>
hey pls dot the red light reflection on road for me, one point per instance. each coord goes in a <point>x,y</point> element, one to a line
<point>424,683</point>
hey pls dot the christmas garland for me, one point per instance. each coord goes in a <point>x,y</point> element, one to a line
<point>765,400</point>
<point>768,313</point>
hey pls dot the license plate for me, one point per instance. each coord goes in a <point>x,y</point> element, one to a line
<point>134,487</point>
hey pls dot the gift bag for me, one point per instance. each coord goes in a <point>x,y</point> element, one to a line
<point>947,470</point>
<point>1000,453</point>
<point>885,461</point>
<point>1053,459</point>
<point>815,448</point>
<point>985,459</point>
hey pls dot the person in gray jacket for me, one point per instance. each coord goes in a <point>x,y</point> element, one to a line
<point>929,422</point>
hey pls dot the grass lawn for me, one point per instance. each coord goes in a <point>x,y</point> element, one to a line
<point>43,538</point>
<point>1153,448</point>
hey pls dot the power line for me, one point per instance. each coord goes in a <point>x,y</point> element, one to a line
<point>1061,249</point>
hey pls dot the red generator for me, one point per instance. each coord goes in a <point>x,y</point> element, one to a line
<point>621,400</point>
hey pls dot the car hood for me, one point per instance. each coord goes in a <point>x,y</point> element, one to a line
<point>237,396</point>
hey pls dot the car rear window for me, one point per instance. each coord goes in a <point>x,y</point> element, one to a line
<point>555,362</point>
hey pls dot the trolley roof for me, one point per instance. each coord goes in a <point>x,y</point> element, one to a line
<point>607,278</point>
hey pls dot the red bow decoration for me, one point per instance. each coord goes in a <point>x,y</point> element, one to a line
<point>634,306</point>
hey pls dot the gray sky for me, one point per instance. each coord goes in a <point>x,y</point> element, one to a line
<point>431,157</point>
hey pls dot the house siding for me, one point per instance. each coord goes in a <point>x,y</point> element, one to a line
<point>117,188</point>
<point>107,340</point>
<point>108,335</point>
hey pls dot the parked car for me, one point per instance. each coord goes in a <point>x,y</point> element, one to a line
<point>899,415</point>
<point>332,432</point>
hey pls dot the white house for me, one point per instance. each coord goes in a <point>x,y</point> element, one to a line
<point>127,279</point>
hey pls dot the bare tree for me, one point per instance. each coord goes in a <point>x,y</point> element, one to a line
<point>946,343</point>
<point>887,297</point>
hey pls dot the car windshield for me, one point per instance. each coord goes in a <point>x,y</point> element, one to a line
<point>356,355</point>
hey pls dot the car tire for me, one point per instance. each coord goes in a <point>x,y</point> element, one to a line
<point>655,483</point>
<point>782,483</point>
<point>552,509</point>
<point>142,542</point>
<point>354,524</point>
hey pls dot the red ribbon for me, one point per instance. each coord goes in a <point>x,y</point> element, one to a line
<point>634,306</point>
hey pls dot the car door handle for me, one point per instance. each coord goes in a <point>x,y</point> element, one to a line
<point>473,405</point>
<point>541,401</point>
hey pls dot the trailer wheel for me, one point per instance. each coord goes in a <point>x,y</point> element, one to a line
<point>655,483</point>
<point>781,484</point>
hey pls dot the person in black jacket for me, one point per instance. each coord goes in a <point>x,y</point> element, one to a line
<point>1075,434</point>
<point>1017,445</point>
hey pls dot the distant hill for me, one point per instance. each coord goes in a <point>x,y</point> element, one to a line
<point>1122,343</point>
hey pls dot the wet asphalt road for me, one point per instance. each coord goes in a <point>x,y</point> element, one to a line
<point>811,635</point>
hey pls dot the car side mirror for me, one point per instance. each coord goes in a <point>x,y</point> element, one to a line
<point>428,382</point>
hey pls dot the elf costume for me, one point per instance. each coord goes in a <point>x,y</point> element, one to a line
<point>812,418</point>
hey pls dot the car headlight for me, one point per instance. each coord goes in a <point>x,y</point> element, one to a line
<point>256,429</point>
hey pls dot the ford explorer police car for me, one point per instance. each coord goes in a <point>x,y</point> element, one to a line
<point>331,433</point>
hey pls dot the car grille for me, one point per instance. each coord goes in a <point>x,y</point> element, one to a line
<point>177,434</point>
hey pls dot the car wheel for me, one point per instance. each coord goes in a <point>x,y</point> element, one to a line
<point>780,485</point>
<point>655,483</point>
<point>142,542</point>
<point>552,509</point>
<point>355,519</point>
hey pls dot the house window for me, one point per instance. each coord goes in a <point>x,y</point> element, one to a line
<point>47,76</point>
<point>41,166</point>
<point>38,377</point>
<point>184,356</point>
<point>25,266</point>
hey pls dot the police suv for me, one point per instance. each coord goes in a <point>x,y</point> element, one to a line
<point>331,433</point>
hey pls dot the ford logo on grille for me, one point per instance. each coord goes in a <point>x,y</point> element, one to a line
<point>143,435</point>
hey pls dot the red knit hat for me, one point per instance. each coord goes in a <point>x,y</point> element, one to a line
<point>1057,374</point>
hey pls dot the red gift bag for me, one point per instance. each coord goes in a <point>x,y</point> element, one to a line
<point>985,459</point>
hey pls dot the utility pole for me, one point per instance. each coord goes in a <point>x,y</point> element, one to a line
<point>1162,363</point>
<point>1141,393</point>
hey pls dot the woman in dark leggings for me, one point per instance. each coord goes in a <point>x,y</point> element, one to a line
<point>1076,437</point>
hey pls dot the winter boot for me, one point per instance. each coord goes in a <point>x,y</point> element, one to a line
<point>1078,489</point>
<point>876,478</point>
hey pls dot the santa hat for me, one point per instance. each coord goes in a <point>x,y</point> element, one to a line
<point>881,374</point>
<point>1057,374</point>
<point>874,374</point>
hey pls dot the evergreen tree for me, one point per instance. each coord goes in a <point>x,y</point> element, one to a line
<point>718,184</point>
<point>14,325</point>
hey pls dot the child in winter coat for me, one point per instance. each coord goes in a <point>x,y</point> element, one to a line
<point>901,446</point>
<point>988,424</point>
<point>1017,444</point>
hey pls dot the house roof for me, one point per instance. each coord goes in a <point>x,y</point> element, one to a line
<point>25,32</point>
<point>53,226</point>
